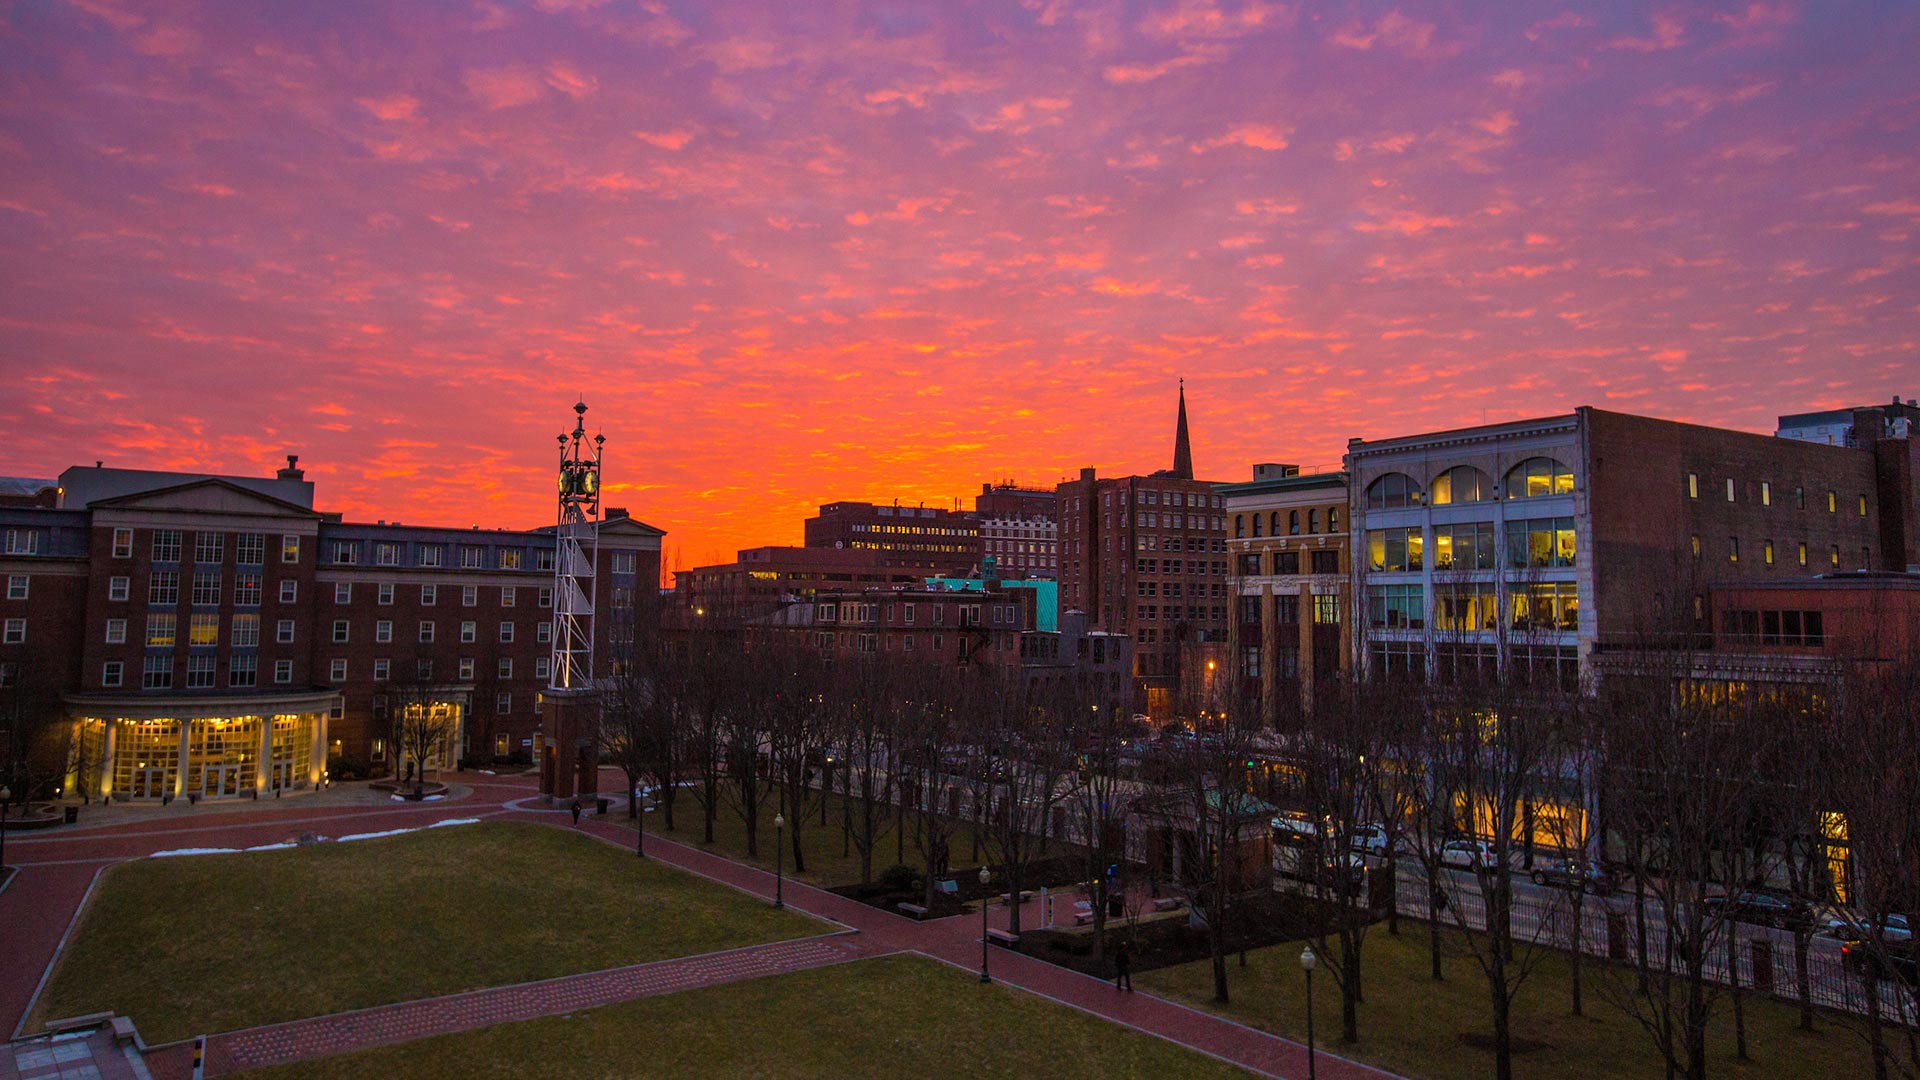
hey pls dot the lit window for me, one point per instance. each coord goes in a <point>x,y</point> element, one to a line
<point>1803,554</point>
<point>1733,549</point>
<point>1766,552</point>
<point>1766,493</point>
<point>507,595</point>
<point>289,549</point>
<point>1537,477</point>
<point>1693,485</point>
<point>122,546</point>
<point>1461,484</point>
<point>1393,491</point>
<point>160,631</point>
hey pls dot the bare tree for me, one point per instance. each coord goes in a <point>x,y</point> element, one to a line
<point>796,735</point>
<point>423,722</point>
<point>1101,797</point>
<point>865,699</point>
<point>1030,738</point>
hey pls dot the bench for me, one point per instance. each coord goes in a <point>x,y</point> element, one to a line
<point>948,886</point>
<point>1168,903</point>
<point>1082,918</point>
<point>1001,937</point>
<point>78,1023</point>
<point>915,910</point>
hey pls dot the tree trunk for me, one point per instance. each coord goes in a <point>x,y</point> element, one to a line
<point>1739,1002</point>
<point>1433,932</point>
<point>1579,948</point>
<point>1803,976</point>
<point>1217,941</point>
<point>1349,987</point>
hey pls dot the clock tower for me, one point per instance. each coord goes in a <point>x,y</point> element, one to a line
<point>569,758</point>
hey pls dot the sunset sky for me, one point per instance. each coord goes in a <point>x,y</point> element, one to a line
<point>895,250</point>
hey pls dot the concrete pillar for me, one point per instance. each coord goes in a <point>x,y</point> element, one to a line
<point>1305,631</point>
<point>263,762</point>
<point>317,760</point>
<point>70,782</point>
<point>103,778</point>
<point>186,750</point>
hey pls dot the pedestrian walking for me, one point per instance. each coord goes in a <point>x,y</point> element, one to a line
<point>576,813</point>
<point>1123,968</point>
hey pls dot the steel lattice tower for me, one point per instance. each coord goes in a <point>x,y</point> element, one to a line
<point>576,550</point>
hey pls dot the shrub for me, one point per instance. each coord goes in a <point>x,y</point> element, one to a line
<point>902,879</point>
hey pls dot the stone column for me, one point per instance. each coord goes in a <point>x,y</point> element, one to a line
<point>186,750</point>
<point>103,777</point>
<point>317,760</point>
<point>263,765</point>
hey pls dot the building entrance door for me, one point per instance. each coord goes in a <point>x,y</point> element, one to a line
<point>219,781</point>
<point>282,776</point>
<point>152,782</point>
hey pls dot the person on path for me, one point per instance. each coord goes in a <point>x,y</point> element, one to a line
<point>1123,968</point>
<point>576,813</point>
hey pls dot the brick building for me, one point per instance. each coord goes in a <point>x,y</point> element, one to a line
<point>1019,530</point>
<point>761,579</point>
<point>1288,577</point>
<point>913,537</point>
<point>1146,557</point>
<point>216,636</point>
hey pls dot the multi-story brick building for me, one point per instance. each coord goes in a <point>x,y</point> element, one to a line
<point>216,636</point>
<point>1288,576</point>
<point>1019,530</point>
<point>914,537</point>
<point>1527,547</point>
<point>1146,556</point>
<point>762,579</point>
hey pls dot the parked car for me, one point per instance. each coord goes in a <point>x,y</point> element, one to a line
<point>1369,840</point>
<point>1290,827</point>
<point>1571,874</point>
<point>1466,854</point>
<point>1897,960</point>
<point>1761,908</point>
<point>1893,930</point>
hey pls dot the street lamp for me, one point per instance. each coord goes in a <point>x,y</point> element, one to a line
<point>639,821</point>
<point>1307,961</point>
<point>986,878</point>
<point>779,862</point>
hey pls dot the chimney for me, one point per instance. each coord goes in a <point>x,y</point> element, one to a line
<point>293,470</point>
<point>615,512</point>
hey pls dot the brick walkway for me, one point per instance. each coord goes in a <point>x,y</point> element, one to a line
<point>340,1033</point>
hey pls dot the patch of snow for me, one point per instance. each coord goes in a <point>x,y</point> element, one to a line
<point>193,851</point>
<point>371,835</point>
<point>488,772</point>
<point>433,798</point>
<point>455,821</point>
<point>274,847</point>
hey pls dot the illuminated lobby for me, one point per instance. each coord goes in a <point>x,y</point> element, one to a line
<point>197,749</point>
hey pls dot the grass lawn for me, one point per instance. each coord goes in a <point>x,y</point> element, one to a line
<point>1412,1025</point>
<point>823,844</point>
<point>215,942</point>
<point>889,1017</point>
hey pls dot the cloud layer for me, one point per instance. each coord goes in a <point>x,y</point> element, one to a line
<point>853,251</point>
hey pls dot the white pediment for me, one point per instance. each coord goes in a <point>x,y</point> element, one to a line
<point>207,497</point>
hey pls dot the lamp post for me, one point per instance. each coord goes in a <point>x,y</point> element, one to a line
<point>779,862</point>
<point>639,821</point>
<point>986,878</point>
<point>1307,961</point>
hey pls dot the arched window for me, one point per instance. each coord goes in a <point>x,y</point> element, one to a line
<point>1313,521</point>
<point>1240,526</point>
<point>1333,519</point>
<point>1462,484</point>
<point>1275,530</point>
<point>1293,523</point>
<point>1539,476</point>
<point>1256,524</point>
<point>1392,492</point>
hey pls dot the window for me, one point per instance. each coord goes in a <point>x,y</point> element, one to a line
<point>164,587</point>
<point>340,631</point>
<point>1396,607</point>
<point>429,595</point>
<point>346,552</point>
<point>509,558</point>
<point>1395,549</point>
<point>506,667</point>
<point>243,670</point>
<point>470,558</point>
<point>382,669</point>
<point>431,554</point>
<point>246,631</point>
<point>506,633</point>
<point>1833,502</point>
<point>423,668</point>
<point>246,590</point>
<point>343,592</point>
<point>469,595</point>
<point>1293,524</point>
<point>1463,607</point>
<point>1462,484</point>
<point>1333,519</point>
<point>1313,521</point>
<point>1326,609</point>
<point>1733,549</point>
<point>1326,562</point>
<point>203,628</point>
<point>166,545</point>
<point>383,594</point>
<point>1464,546</point>
<point>17,585</point>
<point>386,554</point>
<point>337,671</point>
<point>111,671</point>
<point>1541,476</point>
<point>117,588</point>
<point>283,671</point>
<point>1799,498</point>
<point>1240,526</point>
<point>250,549</point>
<point>546,596</point>
<point>206,587</point>
<point>1540,543</point>
<point>289,590</point>
<point>283,631</point>
<point>209,547</point>
<point>383,631</point>
<point>1693,485</point>
<point>426,630</point>
<point>1863,506</point>
<point>16,631</point>
<point>156,673</point>
<point>503,702</point>
<point>466,669</point>
<point>1803,553</point>
<point>1766,552</point>
<point>469,632</point>
<point>1766,493</point>
<point>160,631</point>
<point>1286,562</point>
<point>1392,492</point>
<point>116,631</point>
<point>1546,607</point>
<point>122,546</point>
<point>1286,609</point>
<point>543,632</point>
<point>623,562</point>
<point>1834,556</point>
<point>507,595</point>
<point>289,549</point>
<point>543,667</point>
<point>1730,489</point>
<point>1249,565</point>
<point>543,559</point>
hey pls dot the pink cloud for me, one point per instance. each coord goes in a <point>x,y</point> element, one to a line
<point>504,88</point>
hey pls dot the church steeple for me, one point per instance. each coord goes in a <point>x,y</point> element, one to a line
<point>1182,448</point>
